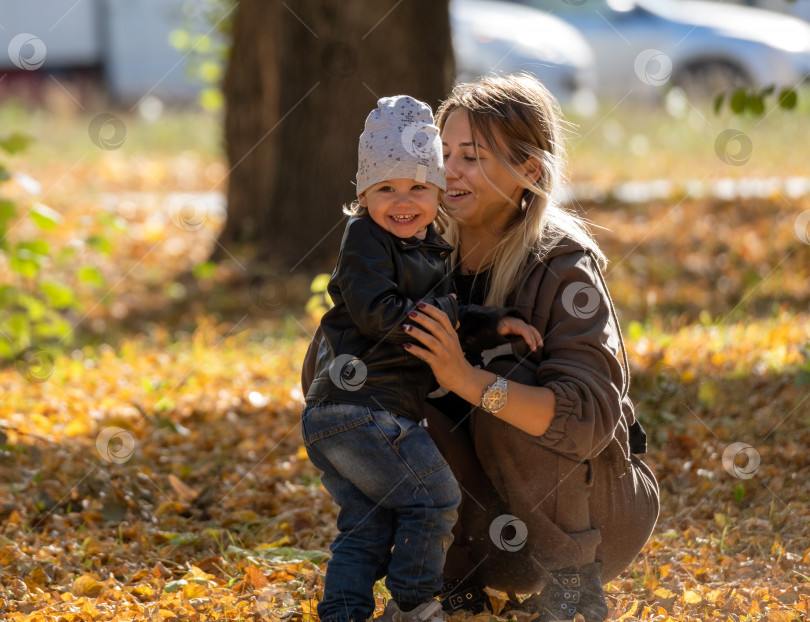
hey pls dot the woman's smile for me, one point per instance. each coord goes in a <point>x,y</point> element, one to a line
<point>454,196</point>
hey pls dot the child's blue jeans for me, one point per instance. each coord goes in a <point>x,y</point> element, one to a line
<point>397,499</point>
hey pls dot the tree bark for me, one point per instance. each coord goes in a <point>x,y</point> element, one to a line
<point>302,77</point>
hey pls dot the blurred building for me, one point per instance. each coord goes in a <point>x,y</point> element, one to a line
<point>122,45</point>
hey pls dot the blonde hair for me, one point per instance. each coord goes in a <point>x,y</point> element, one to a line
<point>526,117</point>
<point>355,209</point>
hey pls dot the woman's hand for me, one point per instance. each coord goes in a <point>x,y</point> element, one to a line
<point>438,346</point>
<point>529,408</point>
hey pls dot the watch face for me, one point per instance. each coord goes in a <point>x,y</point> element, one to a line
<point>494,399</point>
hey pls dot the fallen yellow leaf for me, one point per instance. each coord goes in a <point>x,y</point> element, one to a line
<point>691,597</point>
<point>194,590</point>
<point>185,493</point>
<point>77,427</point>
<point>87,585</point>
<point>630,612</point>
<point>144,589</point>
<point>663,592</point>
<point>255,577</point>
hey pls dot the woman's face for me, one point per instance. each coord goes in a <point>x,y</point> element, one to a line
<point>480,191</point>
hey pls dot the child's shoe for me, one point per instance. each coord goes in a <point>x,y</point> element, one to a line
<point>431,611</point>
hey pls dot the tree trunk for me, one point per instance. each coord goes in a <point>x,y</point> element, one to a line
<point>302,76</point>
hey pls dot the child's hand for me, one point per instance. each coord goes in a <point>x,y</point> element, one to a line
<point>515,326</point>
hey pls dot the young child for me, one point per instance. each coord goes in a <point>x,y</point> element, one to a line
<point>361,425</point>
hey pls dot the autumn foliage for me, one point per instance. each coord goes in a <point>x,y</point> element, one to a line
<point>154,470</point>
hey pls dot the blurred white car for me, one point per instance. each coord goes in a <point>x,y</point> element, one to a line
<point>496,37</point>
<point>703,47</point>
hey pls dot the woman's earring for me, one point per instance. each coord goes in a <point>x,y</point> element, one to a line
<point>524,204</point>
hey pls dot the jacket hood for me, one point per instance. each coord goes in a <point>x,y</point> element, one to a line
<point>563,246</point>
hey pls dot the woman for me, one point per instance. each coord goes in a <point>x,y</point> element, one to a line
<point>556,501</point>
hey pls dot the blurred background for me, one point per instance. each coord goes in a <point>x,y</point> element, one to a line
<point>130,51</point>
<point>228,129</point>
<point>171,180</point>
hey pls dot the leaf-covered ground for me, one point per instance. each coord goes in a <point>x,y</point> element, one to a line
<point>155,471</point>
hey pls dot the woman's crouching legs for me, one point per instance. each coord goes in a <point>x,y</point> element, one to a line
<point>528,512</point>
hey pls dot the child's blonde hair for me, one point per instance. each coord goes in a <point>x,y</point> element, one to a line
<point>355,209</point>
<point>526,117</point>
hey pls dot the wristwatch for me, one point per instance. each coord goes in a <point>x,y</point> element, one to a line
<point>494,397</point>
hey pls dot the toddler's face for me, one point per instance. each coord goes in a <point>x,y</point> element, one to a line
<point>403,207</point>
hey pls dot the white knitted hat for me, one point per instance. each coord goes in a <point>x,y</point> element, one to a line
<point>400,140</point>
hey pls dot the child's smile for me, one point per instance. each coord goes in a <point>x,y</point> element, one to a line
<point>404,207</point>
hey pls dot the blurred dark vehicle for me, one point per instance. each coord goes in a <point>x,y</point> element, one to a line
<point>702,47</point>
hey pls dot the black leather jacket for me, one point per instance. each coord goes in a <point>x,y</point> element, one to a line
<point>378,279</point>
